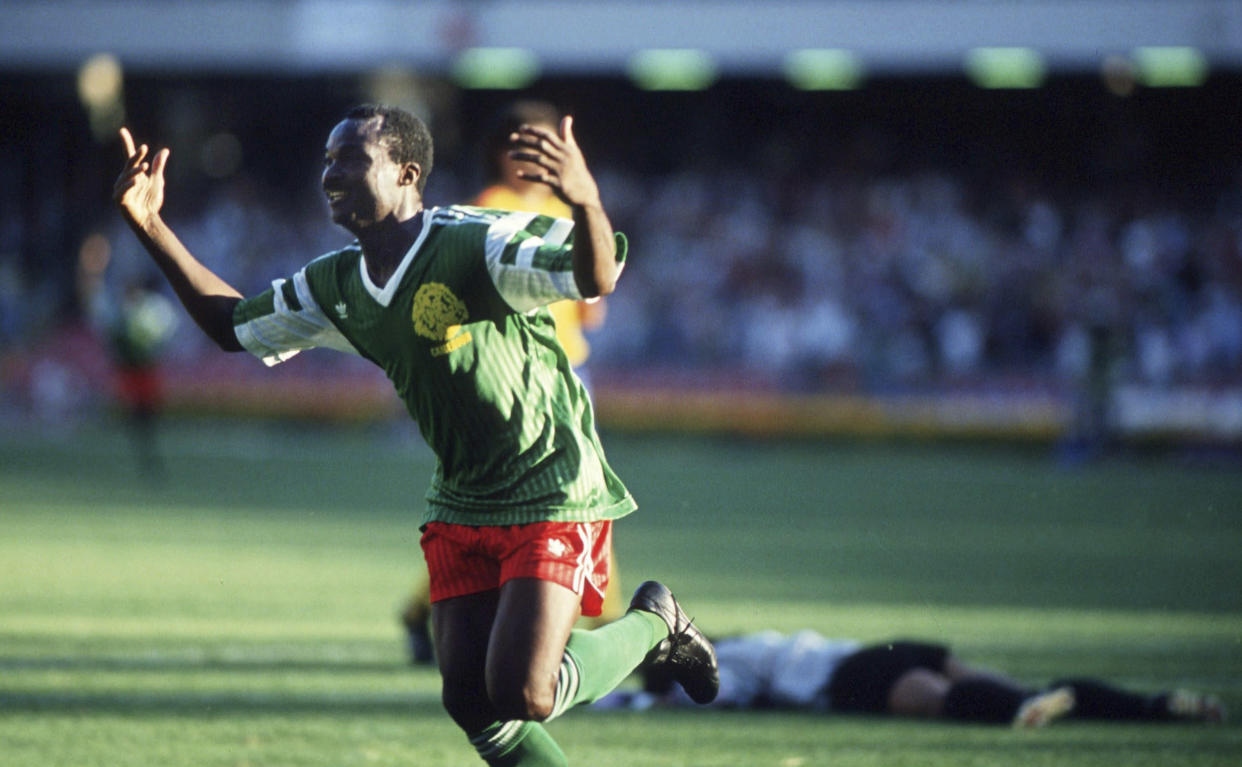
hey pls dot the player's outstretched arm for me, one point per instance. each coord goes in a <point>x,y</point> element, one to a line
<point>139,193</point>
<point>562,166</point>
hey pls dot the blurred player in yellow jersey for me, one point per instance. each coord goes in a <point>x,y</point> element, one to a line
<point>506,190</point>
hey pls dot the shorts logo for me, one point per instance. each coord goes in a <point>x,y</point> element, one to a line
<point>557,548</point>
<point>438,315</point>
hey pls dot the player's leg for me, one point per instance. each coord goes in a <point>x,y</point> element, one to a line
<point>903,678</point>
<point>532,675</point>
<point>987,696</point>
<point>654,632</point>
<point>1099,700</point>
<point>923,679</point>
<point>465,594</point>
<point>141,394</point>
<point>527,648</point>
<point>538,668</point>
<point>988,701</point>
<point>462,629</point>
<point>462,626</point>
<point>980,699</point>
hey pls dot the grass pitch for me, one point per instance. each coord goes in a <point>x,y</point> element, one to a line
<point>243,611</point>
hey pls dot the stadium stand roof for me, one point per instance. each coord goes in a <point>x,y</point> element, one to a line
<point>575,37</point>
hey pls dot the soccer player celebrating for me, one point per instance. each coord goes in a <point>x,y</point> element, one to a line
<point>508,190</point>
<point>449,302</point>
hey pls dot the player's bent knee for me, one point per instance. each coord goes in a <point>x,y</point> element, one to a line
<point>524,703</point>
<point>470,710</point>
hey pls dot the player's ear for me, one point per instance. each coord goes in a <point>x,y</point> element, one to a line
<point>410,173</point>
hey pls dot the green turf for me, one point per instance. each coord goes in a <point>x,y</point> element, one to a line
<point>243,611</point>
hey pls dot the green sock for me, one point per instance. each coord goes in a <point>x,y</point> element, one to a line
<point>597,661</point>
<point>518,744</point>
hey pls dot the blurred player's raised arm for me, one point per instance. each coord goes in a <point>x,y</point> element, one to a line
<point>562,166</point>
<point>139,193</point>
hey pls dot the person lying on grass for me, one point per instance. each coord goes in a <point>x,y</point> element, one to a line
<point>904,678</point>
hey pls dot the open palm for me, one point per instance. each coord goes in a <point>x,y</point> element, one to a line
<point>139,190</point>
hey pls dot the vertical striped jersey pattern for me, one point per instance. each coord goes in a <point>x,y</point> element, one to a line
<point>460,330</point>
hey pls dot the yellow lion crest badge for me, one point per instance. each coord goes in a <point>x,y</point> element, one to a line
<point>438,316</point>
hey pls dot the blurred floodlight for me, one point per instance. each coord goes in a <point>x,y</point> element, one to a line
<point>1170,67</point>
<point>672,69</point>
<point>496,68</point>
<point>1005,67</point>
<point>824,69</point>
<point>100,82</point>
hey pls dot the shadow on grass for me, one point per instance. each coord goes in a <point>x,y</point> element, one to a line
<point>191,665</point>
<point>221,704</point>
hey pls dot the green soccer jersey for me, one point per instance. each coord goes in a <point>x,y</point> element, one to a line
<point>461,332</point>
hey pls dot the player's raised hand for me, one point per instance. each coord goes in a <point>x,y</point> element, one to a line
<point>556,161</point>
<point>139,190</point>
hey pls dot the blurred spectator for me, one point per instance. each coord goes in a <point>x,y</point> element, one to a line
<point>135,326</point>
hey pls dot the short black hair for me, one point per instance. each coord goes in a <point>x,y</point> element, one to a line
<point>407,137</point>
<point>517,114</point>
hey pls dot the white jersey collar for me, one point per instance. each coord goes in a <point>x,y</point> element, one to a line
<point>383,296</point>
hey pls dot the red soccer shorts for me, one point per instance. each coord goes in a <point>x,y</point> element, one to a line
<point>467,560</point>
<point>139,387</point>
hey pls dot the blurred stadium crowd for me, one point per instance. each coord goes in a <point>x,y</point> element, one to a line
<point>921,237</point>
<point>904,281</point>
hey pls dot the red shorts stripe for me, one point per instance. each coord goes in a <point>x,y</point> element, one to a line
<point>462,559</point>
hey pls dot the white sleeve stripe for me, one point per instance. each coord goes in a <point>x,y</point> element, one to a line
<point>310,307</point>
<point>500,232</point>
<point>271,338</point>
<point>559,231</point>
<point>250,340</point>
<point>276,337</point>
<point>525,256</point>
<point>278,296</point>
<point>327,335</point>
<point>522,285</point>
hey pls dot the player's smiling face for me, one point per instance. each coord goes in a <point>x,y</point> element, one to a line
<point>360,179</point>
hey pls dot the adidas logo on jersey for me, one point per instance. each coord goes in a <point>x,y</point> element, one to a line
<point>342,310</point>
